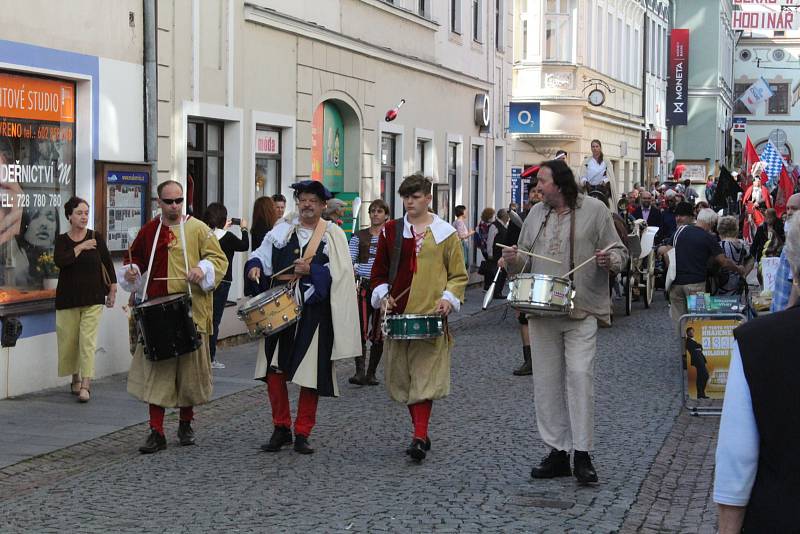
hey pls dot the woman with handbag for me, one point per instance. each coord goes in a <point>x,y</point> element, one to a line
<point>86,282</point>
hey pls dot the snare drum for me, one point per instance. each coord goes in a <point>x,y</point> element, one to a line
<point>532,293</point>
<point>413,326</point>
<point>271,311</point>
<point>166,326</point>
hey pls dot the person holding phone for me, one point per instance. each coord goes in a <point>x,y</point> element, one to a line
<point>216,217</point>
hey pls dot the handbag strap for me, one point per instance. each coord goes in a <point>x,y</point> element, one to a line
<point>394,260</point>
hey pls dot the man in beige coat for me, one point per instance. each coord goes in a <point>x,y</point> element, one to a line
<point>569,227</point>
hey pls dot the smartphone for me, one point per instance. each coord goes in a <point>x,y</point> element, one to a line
<point>236,222</point>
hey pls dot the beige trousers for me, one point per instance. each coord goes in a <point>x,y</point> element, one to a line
<point>677,300</point>
<point>417,370</point>
<point>76,331</point>
<point>563,353</point>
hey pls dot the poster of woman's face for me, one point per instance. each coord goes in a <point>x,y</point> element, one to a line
<point>42,227</point>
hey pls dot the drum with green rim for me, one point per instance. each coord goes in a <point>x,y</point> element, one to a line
<point>413,326</point>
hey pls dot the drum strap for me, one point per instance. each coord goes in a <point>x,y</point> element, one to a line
<point>185,257</point>
<point>150,263</point>
<point>572,245</point>
<point>310,250</point>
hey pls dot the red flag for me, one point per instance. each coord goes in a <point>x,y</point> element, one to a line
<point>750,159</point>
<point>785,189</point>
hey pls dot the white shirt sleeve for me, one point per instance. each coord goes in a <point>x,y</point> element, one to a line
<point>737,446</point>
<point>378,294</point>
<point>264,255</point>
<point>207,283</point>
<point>124,284</point>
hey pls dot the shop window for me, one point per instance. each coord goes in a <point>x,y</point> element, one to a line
<point>204,165</point>
<point>388,169</point>
<point>452,172</point>
<point>778,104</point>
<point>37,172</point>
<point>268,161</point>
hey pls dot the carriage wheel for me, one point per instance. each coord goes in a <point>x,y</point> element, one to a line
<point>628,287</point>
<point>650,279</point>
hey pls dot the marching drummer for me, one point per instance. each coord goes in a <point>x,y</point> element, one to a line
<point>363,247</point>
<point>312,254</point>
<point>174,251</point>
<point>571,228</point>
<point>419,269</point>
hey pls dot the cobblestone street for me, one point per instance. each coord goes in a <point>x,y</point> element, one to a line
<point>654,466</point>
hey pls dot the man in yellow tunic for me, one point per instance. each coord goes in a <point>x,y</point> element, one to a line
<point>174,252</point>
<point>419,269</point>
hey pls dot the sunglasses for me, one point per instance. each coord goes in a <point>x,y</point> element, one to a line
<point>171,201</point>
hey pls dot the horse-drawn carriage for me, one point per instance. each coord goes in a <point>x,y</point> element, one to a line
<point>639,274</point>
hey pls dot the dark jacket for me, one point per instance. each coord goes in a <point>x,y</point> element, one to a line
<point>653,218</point>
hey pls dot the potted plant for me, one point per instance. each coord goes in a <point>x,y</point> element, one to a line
<point>46,267</point>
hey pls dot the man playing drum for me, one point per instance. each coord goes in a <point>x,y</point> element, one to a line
<point>419,269</point>
<point>363,247</point>
<point>163,250</point>
<point>569,227</point>
<point>306,352</point>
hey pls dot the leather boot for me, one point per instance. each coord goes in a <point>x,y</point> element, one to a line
<point>280,436</point>
<point>584,470</point>
<point>526,369</point>
<point>375,353</point>
<point>301,445</point>
<point>555,464</point>
<point>155,442</point>
<point>358,378</point>
<point>185,433</point>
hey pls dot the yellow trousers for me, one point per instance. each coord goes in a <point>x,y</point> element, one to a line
<point>76,330</point>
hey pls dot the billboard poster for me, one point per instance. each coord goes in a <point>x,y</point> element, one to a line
<point>678,78</point>
<point>709,346</point>
<point>316,143</point>
<point>126,202</point>
<point>37,175</point>
<point>516,186</point>
<point>327,147</point>
<point>348,221</point>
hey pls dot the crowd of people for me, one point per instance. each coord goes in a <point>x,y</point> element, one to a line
<point>418,265</point>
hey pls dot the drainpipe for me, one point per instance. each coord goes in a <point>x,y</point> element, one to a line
<point>150,91</point>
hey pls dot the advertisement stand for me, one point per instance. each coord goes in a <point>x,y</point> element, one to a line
<point>122,200</point>
<point>707,342</point>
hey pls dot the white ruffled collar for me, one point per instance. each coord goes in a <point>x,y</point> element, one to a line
<point>440,229</point>
<point>282,231</point>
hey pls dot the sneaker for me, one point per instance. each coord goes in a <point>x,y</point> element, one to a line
<point>217,365</point>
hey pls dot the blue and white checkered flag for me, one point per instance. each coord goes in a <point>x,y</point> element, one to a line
<point>774,163</point>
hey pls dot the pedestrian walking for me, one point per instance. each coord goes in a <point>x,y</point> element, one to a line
<point>481,239</point>
<point>755,480</point>
<point>265,215</point>
<point>497,238</point>
<point>363,247</point>
<point>570,227</point>
<point>418,270</point>
<point>216,217</point>
<point>86,282</point>
<point>464,233</point>
<point>173,253</point>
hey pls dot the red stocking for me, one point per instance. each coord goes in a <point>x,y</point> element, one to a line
<point>157,418</point>
<point>306,412</point>
<point>279,400</point>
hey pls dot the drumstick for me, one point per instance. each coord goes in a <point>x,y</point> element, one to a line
<point>587,261</point>
<point>531,254</point>
<point>169,278</point>
<point>398,297</point>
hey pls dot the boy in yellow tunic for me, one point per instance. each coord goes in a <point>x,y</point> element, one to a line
<point>419,269</point>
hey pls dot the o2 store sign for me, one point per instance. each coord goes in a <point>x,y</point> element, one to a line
<point>523,117</point>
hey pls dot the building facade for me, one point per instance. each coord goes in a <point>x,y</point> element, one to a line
<point>706,139</point>
<point>237,99</point>
<point>656,135</point>
<point>772,56</point>
<point>563,49</point>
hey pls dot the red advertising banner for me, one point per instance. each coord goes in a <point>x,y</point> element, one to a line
<point>678,78</point>
<point>652,145</point>
<point>316,142</point>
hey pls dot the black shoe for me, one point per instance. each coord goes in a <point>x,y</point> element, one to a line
<point>526,369</point>
<point>359,379</point>
<point>417,449</point>
<point>584,470</point>
<point>555,464</point>
<point>185,433</point>
<point>280,436</point>
<point>155,442</point>
<point>427,445</point>
<point>301,445</point>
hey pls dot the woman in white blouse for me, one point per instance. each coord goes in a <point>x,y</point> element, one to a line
<point>596,173</point>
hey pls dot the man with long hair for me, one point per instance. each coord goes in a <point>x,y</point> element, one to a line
<point>570,227</point>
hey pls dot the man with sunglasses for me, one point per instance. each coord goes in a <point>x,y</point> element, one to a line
<point>184,381</point>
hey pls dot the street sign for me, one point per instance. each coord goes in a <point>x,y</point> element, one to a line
<point>739,124</point>
<point>516,186</point>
